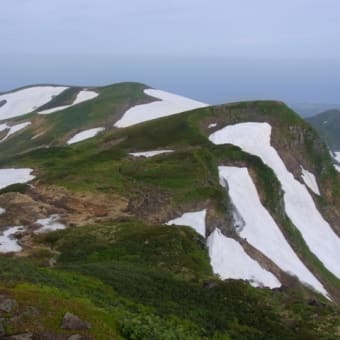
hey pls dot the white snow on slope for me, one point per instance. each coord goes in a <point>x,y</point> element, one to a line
<point>212,125</point>
<point>148,154</point>
<point>85,95</point>
<point>310,181</point>
<point>82,96</point>
<point>12,176</point>
<point>260,229</point>
<point>230,261</point>
<point>227,257</point>
<point>8,244</point>
<point>85,135</point>
<point>337,156</point>
<point>195,220</point>
<point>169,104</point>
<point>50,223</point>
<point>2,211</point>
<point>13,129</point>
<point>24,101</point>
<point>254,138</point>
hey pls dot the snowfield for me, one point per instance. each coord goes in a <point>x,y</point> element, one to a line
<point>222,249</point>
<point>49,224</point>
<point>337,156</point>
<point>259,228</point>
<point>195,220</point>
<point>86,134</point>
<point>310,181</point>
<point>254,138</point>
<point>82,96</point>
<point>27,100</point>
<point>13,176</point>
<point>168,104</point>
<point>8,244</point>
<point>230,261</point>
<point>13,129</point>
<point>148,154</point>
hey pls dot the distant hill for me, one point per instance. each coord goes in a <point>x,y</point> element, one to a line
<point>307,110</point>
<point>327,123</point>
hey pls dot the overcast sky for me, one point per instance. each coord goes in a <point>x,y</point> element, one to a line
<point>265,28</point>
<point>104,41</point>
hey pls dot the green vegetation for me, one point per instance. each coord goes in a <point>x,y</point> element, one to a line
<point>18,187</point>
<point>56,128</point>
<point>177,250</point>
<point>110,276</point>
<point>135,279</point>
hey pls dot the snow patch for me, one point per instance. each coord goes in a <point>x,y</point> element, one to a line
<point>13,176</point>
<point>85,135</point>
<point>228,258</point>
<point>337,156</point>
<point>212,125</point>
<point>27,100</point>
<point>254,138</point>
<point>230,261</point>
<point>8,244</point>
<point>148,154</point>
<point>2,211</point>
<point>195,220</point>
<point>169,104</point>
<point>49,224</point>
<point>310,181</point>
<point>260,229</point>
<point>13,129</point>
<point>82,96</point>
<point>85,95</point>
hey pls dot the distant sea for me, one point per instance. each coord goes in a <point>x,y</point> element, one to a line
<point>213,80</point>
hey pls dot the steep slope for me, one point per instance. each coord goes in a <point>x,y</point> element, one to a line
<point>120,203</point>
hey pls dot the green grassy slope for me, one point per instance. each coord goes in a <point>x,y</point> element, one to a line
<point>124,292</point>
<point>189,176</point>
<point>133,278</point>
<point>58,127</point>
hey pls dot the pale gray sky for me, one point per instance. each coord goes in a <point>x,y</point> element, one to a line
<point>261,28</point>
<point>211,50</point>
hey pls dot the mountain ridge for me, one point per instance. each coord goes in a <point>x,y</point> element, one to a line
<point>113,207</point>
